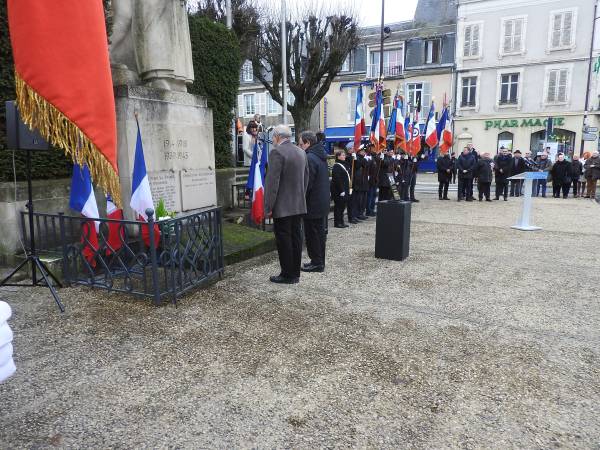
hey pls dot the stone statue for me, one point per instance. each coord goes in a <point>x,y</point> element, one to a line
<point>150,44</point>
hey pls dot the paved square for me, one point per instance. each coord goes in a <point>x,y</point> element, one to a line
<point>486,337</point>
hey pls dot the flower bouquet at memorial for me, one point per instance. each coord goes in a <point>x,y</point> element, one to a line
<point>162,215</point>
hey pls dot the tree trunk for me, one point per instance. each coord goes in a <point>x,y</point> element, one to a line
<point>301,120</point>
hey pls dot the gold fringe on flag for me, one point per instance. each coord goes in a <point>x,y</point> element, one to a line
<point>56,128</point>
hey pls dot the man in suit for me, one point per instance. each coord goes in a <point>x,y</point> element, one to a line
<point>465,166</point>
<point>518,166</point>
<point>361,185</point>
<point>285,201</point>
<point>317,201</point>
<point>502,170</point>
<point>444,169</point>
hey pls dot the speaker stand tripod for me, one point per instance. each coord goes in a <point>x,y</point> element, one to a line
<point>32,257</point>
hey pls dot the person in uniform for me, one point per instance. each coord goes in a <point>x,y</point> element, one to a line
<point>373,178</point>
<point>361,185</point>
<point>351,168</point>
<point>386,171</point>
<point>444,170</point>
<point>340,188</point>
<point>403,175</point>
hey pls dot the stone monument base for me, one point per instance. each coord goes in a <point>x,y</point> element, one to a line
<point>178,141</point>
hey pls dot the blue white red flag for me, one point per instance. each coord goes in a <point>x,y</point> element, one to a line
<point>399,130</point>
<point>257,211</point>
<point>83,201</point>
<point>378,128</point>
<point>359,119</point>
<point>445,131</point>
<point>116,232</point>
<point>431,137</point>
<point>141,196</point>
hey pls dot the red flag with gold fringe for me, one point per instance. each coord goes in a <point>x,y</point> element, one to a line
<point>63,81</point>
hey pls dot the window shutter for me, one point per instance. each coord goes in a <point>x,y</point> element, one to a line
<point>475,41</point>
<point>426,100</point>
<point>241,108</point>
<point>566,28</point>
<point>562,85</point>
<point>508,36</point>
<point>556,30</point>
<point>261,103</point>
<point>467,45</point>
<point>518,32</point>
<point>551,97</point>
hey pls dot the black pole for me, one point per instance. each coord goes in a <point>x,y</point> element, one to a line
<point>381,42</point>
<point>30,216</point>
<point>589,77</point>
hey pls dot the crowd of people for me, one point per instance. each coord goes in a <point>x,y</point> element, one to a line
<point>567,174</point>
<point>299,188</point>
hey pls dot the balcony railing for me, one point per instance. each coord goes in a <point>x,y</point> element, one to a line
<point>388,71</point>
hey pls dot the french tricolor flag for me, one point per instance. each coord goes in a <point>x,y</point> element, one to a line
<point>257,213</point>
<point>400,133</point>
<point>116,233</point>
<point>83,201</point>
<point>359,119</point>
<point>431,136</point>
<point>141,196</point>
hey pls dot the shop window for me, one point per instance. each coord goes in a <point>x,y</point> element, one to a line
<point>560,140</point>
<point>505,139</point>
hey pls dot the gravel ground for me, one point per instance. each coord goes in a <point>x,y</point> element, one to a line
<point>486,337</point>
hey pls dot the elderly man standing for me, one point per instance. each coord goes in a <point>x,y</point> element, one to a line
<point>285,202</point>
<point>592,174</point>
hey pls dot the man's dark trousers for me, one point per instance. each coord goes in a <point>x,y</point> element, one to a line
<point>315,236</point>
<point>360,203</point>
<point>515,188</point>
<point>501,189</point>
<point>288,237</point>
<point>350,207</point>
<point>339,204</point>
<point>484,190</point>
<point>465,188</point>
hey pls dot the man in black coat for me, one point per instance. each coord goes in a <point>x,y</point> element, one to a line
<point>373,179</point>
<point>483,172</point>
<point>518,166</point>
<point>361,185</point>
<point>465,166</point>
<point>403,175</point>
<point>386,168</point>
<point>351,168</point>
<point>561,176</point>
<point>317,202</point>
<point>502,170</point>
<point>340,188</point>
<point>444,169</point>
<point>453,159</point>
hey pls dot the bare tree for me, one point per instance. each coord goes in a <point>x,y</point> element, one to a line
<point>317,45</point>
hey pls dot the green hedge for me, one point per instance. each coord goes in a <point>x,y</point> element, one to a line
<point>51,164</point>
<point>217,59</point>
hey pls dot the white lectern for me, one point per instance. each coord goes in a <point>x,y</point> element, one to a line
<point>523,223</point>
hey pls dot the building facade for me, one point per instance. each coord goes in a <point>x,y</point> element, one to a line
<point>518,64</point>
<point>418,63</point>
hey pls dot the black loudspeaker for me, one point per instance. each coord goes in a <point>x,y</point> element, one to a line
<point>18,135</point>
<point>392,232</point>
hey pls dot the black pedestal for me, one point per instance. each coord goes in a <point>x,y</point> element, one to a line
<point>392,234</point>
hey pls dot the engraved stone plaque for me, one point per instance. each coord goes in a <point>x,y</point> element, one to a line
<point>198,188</point>
<point>165,185</point>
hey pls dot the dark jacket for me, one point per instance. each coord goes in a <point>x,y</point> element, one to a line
<point>576,169</point>
<point>544,165</point>
<point>592,168</point>
<point>518,166</point>
<point>530,165</point>
<point>443,164</point>
<point>454,162</point>
<point>340,180</point>
<point>373,169</point>
<point>286,181</point>
<point>465,163</point>
<point>561,172</point>
<point>386,167</point>
<point>502,167</point>
<point>361,174</point>
<point>404,169</point>
<point>317,192</point>
<point>483,170</point>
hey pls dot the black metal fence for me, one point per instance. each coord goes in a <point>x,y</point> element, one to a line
<point>151,259</point>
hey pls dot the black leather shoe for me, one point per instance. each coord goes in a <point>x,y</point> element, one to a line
<point>283,280</point>
<point>362,217</point>
<point>354,221</point>
<point>313,268</point>
<point>445,198</point>
<point>371,215</point>
<point>414,200</point>
<point>469,199</point>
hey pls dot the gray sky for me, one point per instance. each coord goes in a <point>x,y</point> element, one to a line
<point>369,11</point>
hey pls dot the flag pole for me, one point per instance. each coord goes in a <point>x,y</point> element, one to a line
<point>381,41</point>
<point>283,64</point>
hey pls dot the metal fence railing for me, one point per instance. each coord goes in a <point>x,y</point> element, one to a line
<point>155,260</point>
